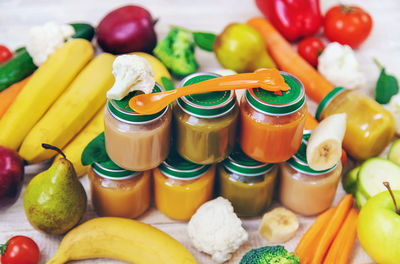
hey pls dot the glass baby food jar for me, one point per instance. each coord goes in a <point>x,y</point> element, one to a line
<point>118,192</point>
<point>271,125</point>
<point>181,187</point>
<point>369,127</point>
<point>133,141</point>
<point>246,183</point>
<point>205,124</point>
<point>304,190</point>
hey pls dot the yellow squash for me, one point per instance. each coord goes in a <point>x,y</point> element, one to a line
<point>72,110</point>
<point>158,67</point>
<point>44,87</point>
<point>75,147</point>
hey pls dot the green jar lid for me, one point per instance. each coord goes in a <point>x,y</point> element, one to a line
<point>239,163</point>
<point>120,109</point>
<point>176,167</point>
<point>299,160</point>
<point>206,105</point>
<point>110,170</point>
<point>270,103</point>
<point>327,99</point>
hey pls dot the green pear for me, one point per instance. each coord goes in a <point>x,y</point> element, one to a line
<point>241,48</point>
<point>55,199</point>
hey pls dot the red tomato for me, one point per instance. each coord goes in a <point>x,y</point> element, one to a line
<point>5,54</point>
<point>310,48</point>
<point>20,250</point>
<point>349,25</point>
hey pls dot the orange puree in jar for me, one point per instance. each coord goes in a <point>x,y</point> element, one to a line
<point>271,125</point>
<point>181,187</point>
<point>118,192</point>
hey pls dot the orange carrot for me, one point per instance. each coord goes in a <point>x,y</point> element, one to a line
<point>309,240</point>
<point>332,228</point>
<point>290,61</point>
<point>340,250</point>
<point>8,96</point>
<point>311,122</point>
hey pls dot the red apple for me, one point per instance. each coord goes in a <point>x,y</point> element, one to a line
<point>127,29</point>
<point>11,176</point>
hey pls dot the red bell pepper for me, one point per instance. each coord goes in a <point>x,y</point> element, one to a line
<point>293,18</point>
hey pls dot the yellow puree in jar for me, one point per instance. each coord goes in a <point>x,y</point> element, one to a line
<point>179,199</point>
<point>369,127</point>
<point>248,198</point>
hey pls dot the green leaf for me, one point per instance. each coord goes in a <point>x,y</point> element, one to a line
<point>204,40</point>
<point>95,151</point>
<point>167,83</point>
<point>386,87</point>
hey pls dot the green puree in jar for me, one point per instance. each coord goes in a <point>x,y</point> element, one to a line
<point>205,124</point>
<point>246,183</point>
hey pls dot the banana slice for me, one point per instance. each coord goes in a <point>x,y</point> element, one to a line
<point>324,147</point>
<point>278,225</point>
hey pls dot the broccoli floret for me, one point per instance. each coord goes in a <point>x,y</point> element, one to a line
<point>176,51</point>
<point>270,255</point>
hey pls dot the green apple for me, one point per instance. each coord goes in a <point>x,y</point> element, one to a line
<point>379,228</point>
<point>241,48</point>
<point>349,181</point>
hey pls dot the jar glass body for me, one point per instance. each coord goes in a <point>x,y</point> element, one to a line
<point>269,138</point>
<point>120,198</point>
<point>369,127</point>
<point>179,199</point>
<point>250,196</point>
<point>307,194</point>
<point>137,146</point>
<point>205,140</point>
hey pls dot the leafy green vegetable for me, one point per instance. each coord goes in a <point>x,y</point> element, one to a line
<point>270,255</point>
<point>167,83</point>
<point>386,86</point>
<point>204,40</point>
<point>95,151</point>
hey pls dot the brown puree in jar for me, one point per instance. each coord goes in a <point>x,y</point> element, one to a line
<point>136,142</point>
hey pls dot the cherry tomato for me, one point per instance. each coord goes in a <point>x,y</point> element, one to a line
<point>349,25</point>
<point>310,48</point>
<point>20,250</point>
<point>5,54</point>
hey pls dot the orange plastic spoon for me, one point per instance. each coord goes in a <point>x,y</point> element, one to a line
<point>267,79</point>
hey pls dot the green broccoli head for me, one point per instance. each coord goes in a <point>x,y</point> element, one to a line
<point>270,255</point>
<point>176,51</point>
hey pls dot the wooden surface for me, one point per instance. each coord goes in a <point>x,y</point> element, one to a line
<point>16,16</point>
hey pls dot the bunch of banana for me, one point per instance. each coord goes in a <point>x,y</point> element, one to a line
<point>122,239</point>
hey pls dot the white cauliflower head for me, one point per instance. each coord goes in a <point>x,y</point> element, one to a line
<point>339,65</point>
<point>216,230</point>
<point>44,40</point>
<point>132,73</point>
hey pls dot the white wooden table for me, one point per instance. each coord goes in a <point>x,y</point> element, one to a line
<point>16,16</point>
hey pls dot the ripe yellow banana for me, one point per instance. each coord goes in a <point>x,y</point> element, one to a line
<point>43,88</point>
<point>324,147</point>
<point>123,239</point>
<point>158,67</point>
<point>72,110</point>
<point>75,147</point>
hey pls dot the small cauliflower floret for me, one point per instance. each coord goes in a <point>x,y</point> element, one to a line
<point>394,108</point>
<point>338,64</point>
<point>216,230</point>
<point>132,73</point>
<point>44,40</point>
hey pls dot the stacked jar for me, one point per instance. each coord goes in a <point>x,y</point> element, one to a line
<point>304,190</point>
<point>135,144</point>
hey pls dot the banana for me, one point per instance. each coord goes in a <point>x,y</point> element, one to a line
<point>122,239</point>
<point>75,147</point>
<point>43,88</point>
<point>279,225</point>
<point>72,110</point>
<point>324,147</point>
<point>158,67</point>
